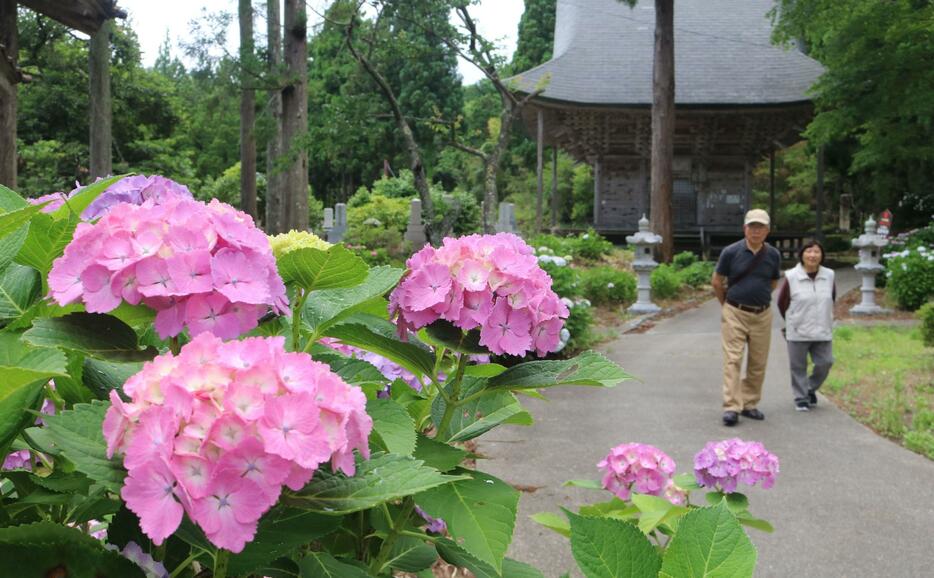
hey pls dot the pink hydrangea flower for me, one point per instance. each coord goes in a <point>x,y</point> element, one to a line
<point>725,464</point>
<point>639,468</point>
<point>488,282</point>
<point>218,430</point>
<point>204,267</point>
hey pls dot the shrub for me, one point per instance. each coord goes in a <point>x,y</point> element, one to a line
<point>665,282</point>
<point>564,280</point>
<point>921,441</point>
<point>391,214</point>
<point>580,325</point>
<point>607,285</point>
<point>910,275</point>
<point>557,245</point>
<point>926,315</point>
<point>684,260</point>
<point>697,274</point>
<point>458,213</point>
<point>590,245</point>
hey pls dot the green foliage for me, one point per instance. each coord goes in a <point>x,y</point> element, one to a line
<point>910,274</point>
<point>926,314</point>
<point>606,285</point>
<point>591,245</point>
<point>872,107</point>
<point>921,442</point>
<point>536,35</point>
<point>709,543</point>
<point>607,548</point>
<point>77,433</point>
<point>565,281</point>
<point>666,283</point>
<point>697,274</point>
<point>684,259</point>
<point>580,325</point>
<point>314,269</point>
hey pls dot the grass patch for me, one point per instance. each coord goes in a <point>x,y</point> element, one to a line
<point>884,377</point>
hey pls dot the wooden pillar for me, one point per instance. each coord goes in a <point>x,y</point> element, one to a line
<point>597,169</point>
<point>772,187</point>
<point>540,169</point>
<point>8,81</point>
<point>101,116</point>
<point>663,125</point>
<point>819,213</point>
<point>554,188</point>
<point>274,178</point>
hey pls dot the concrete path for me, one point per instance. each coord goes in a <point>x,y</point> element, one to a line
<point>847,503</point>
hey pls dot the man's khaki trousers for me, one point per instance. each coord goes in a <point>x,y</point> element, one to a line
<point>739,329</point>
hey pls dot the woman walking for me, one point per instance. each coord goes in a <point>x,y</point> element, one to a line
<point>806,301</point>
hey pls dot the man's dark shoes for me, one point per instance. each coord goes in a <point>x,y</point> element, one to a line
<point>753,414</point>
<point>812,398</point>
<point>802,406</point>
<point>730,418</point>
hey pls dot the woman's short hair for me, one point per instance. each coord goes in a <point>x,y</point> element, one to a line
<point>807,246</point>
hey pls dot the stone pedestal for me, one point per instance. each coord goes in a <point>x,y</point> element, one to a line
<point>870,245</point>
<point>643,241</point>
<point>415,232</point>
<point>507,219</point>
<point>327,223</point>
<point>336,234</point>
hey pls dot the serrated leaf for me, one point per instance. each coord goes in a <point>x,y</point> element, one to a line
<point>10,200</point>
<point>314,269</point>
<point>484,370</point>
<point>588,368</point>
<point>746,519</point>
<point>607,548</point>
<point>281,531</point>
<point>72,388</point>
<point>393,425</point>
<point>478,416</point>
<point>380,479</point>
<point>76,205</point>
<point>11,244</point>
<point>445,333</point>
<point>102,376</point>
<point>709,543</point>
<point>655,511</point>
<point>410,554</point>
<point>409,356</point>
<point>323,565</point>
<point>101,336</point>
<point>353,371</point>
<point>19,287</point>
<point>553,522</point>
<point>438,455</point>
<point>687,482</point>
<point>78,435</point>
<point>327,307</point>
<point>46,241</point>
<point>454,554</point>
<point>55,550</point>
<point>480,513</point>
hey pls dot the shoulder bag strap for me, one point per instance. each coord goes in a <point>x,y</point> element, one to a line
<point>755,262</point>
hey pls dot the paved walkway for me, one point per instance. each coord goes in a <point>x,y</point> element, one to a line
<point>847,502</point>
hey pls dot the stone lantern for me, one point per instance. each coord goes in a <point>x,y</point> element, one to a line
<point>870,246</point>
<point>643,265</point>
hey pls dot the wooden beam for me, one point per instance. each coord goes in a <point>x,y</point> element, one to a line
<point>84,15</point>
<point>8,79</point>
<point>101,117</point>
<point>540,169</point>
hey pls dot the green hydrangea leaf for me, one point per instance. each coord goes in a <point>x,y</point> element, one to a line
<point>709,543</point>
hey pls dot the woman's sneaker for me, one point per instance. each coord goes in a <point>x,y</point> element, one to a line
<point>802,406</point>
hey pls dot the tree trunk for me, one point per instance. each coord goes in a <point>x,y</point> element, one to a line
<point>101,116</point>
<point>247,112</point>
<point>663,125</point>
<point>8,94</point>
<point>295,116</point>
<point>274,217</point>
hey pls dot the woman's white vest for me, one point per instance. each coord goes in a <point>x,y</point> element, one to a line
<point>810,313</point>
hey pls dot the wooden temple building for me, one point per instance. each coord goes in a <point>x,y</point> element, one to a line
<point>738,97</point>
<point>88,16</point>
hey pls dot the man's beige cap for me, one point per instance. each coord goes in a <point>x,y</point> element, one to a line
<point>757,216</point>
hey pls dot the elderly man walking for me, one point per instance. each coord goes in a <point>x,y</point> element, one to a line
<point>746,274</point>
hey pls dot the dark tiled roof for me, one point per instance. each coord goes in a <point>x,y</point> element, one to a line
<point>723,55</point>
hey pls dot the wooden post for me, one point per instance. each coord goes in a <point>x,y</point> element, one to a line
<point>101,116</point>
<point>247,111</point>
<point>819,213</point>
<point>295,115</point>
<point>663,125</point>
<point>596,192</point>
<point>274,178</point>
<point>554,188</point>
<point>8,93</point>
<point>540,169</point>
<point>772,215</point>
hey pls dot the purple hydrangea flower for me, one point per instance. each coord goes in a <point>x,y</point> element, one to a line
<point>18,460</point>
<point>725,464</point>
<point>639,468</point>
<point>435,525</point>
<point>134,190</point>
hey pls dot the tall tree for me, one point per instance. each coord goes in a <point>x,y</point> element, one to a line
<point>247,110</point>
<point>295,116</point>
<point>874,103</point>
<point>536,35</point>
<point>274,214</point>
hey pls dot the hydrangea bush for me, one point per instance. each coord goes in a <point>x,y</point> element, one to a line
<point>233,405</point>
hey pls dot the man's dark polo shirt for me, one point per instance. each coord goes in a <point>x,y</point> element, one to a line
<point>756,287</point>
